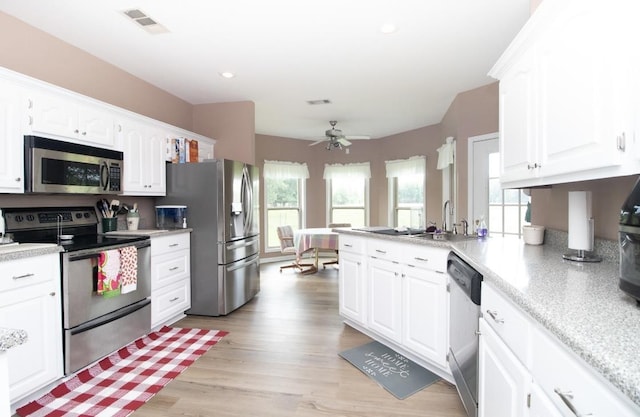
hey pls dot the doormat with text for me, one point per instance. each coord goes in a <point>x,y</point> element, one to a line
<point>399,375</point>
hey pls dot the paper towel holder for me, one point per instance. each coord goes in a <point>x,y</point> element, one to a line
<point>582,255</point>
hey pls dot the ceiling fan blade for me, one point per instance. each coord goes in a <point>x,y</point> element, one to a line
<point>316,142</point>
<point>343,141</point>
<point>356,137</point>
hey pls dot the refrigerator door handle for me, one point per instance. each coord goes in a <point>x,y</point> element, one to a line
<point>241,244</point>
<point>247,197</point>
<point>243,264</point>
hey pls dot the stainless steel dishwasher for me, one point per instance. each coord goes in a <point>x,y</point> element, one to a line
<point>464,300</point>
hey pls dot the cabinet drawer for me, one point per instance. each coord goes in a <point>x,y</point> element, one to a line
<point>170,243</point>
<point>427,257</point>
<point>20,273</point>
<point>349,243</point>
<point>169,268</point>
<point>513,326</point>
<point>559,371</point>
<point>170,301</point>
<point>382,249</point>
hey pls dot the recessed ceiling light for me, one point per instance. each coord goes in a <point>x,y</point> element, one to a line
<point>388,28</point>
<point>227,74</point>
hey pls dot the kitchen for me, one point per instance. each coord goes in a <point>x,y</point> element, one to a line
<point>478,108</point>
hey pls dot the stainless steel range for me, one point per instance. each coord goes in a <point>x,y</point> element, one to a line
<point>93,325</point>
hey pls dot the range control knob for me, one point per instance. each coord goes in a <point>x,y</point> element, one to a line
<point>78,215</point>
<point>30,217</point>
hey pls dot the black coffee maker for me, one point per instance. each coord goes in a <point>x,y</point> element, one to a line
<point>629,238</point>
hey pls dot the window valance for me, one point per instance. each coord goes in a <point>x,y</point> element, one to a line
<point>416,165</point>
<point>282,169</point>
<point>338,171</point>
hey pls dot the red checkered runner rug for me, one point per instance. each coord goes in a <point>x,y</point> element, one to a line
<point>119,384</point>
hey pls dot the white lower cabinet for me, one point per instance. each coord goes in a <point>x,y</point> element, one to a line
<point>526,371</point>
<point>30,301</point>
<point>397,293</point>
<point>503,381</point>
<point>170,278</point>
<point>351,284</point>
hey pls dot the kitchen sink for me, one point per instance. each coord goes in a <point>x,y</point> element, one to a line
<point>450,237</point>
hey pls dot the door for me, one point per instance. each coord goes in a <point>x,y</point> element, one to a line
<point>480,170</point>
<point>351,285</point>
<point>385,288</point>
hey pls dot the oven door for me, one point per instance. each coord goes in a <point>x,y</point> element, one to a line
<point>80,301</point>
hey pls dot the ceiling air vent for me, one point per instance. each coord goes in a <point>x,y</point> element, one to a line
<point>317,102</point>
<point>145,22</point>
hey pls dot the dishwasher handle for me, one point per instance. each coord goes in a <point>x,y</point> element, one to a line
<point>468,279</point>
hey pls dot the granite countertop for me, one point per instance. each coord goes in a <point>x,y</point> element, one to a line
<point>11,337</point>
<point>149,232</point>
<point>580,303</point>
<point>27,250</point>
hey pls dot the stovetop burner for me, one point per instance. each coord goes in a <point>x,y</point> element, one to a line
<point>47,224</point>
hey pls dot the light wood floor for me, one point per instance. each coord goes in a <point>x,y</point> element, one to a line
<point>280,358</point>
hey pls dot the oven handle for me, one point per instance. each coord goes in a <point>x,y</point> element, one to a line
<point>94,253</point>
<point>108,318</point>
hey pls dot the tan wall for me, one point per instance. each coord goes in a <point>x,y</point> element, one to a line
<point>30,51</point>
<point>549,206</point>
<point>233,127</point>
<point>472,113</point>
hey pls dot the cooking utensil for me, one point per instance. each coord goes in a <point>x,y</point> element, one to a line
<point>115,207</point>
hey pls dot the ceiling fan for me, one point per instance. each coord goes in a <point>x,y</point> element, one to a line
<point>336,139</point>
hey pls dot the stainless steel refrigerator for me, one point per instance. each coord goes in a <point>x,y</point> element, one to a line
<point>222,208</point>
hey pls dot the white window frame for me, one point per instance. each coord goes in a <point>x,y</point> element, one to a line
<point>356,170</point>
<point>284,170</point>
<point>396,168</point>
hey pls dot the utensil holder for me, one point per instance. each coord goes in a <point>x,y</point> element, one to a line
<point>133,219</point>
<point>109,224</point>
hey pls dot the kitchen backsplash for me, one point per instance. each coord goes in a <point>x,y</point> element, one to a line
<point>608,250</point>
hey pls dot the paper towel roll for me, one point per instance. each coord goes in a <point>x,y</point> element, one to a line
<point>580,221</point>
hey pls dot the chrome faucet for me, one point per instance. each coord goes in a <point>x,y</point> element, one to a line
<point>465,227</point>
<point>444,215</point>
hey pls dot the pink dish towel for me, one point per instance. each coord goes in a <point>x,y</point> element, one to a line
<point>128,269</point>
<point>109,273</point>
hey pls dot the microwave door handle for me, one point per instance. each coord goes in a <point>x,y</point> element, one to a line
<point>104,175</point>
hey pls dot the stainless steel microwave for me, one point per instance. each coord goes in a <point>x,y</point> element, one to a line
<point>53,166</point>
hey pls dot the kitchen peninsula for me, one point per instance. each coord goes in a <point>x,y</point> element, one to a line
<point>577,308</point>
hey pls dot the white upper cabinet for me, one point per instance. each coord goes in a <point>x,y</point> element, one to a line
<point>70,119</point>
<point>567,96</point>
<point>144,170</point>
<point>11,148</point>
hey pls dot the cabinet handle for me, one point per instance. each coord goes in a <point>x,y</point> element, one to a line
<point>53,294</point>
<point>173,269</point>
<point>566,397</point>
<point>30,104</point>
<point>346,245</point>
<point>621,142</point>
<point>84,133</point>
<point>76,131</point>
<point>381,251</point>
<point>23,276</point>
<point>18,179</point>
<point>494,316</point>
<point>173,245</point>
<point>30,120</point>
<point>174,299</point>
<point>421,259</point>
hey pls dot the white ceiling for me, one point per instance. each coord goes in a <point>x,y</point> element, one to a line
<point>285,52</point>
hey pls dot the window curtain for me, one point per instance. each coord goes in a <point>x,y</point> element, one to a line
<point>339,171</point>
<point>282,170</point>
<point>416,165</point>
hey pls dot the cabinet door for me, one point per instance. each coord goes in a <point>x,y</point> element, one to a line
<point>385,297</point>
<point>11,148</point>
<point>541,405</point>
<point>578,91</point>
<point>133,176</point>
<point>425,324</point>
<point>503,381</point>
<point>155,144</point>
<point>351,287</point>
<point>518,150</point>
<point>53,115</point>
<point>96,126</point>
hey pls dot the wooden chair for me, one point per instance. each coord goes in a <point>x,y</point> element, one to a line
<point>334,261</point>
<point>285,234</point>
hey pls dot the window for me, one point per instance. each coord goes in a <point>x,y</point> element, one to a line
<point>406,191</point>
<point>507,208</point>
<point>284,184</point>
<point>348,193</point>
